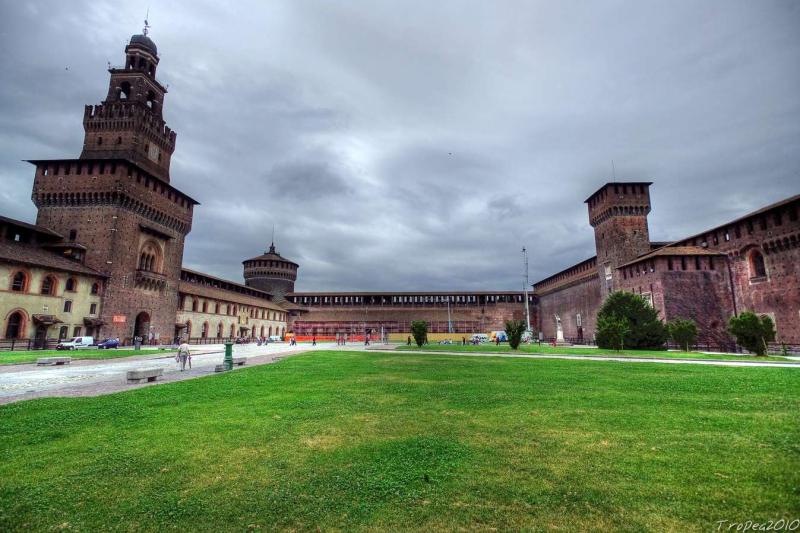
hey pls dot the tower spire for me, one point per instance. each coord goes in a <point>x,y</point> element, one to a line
<point>146,28</point>
<point>272,242</point>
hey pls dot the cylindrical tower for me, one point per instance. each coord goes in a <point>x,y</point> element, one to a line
<point>271,273</point>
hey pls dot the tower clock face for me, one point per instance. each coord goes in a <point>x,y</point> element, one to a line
<point>153,153</point>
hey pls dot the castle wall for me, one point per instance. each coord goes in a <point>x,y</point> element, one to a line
<point>581,297</point>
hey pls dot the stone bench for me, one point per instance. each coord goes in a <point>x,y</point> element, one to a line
<point>146,374</point>
<point>53,360</point>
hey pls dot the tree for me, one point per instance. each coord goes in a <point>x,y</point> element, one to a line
<point>419,330</point>
<point>753,332</point>
<point>644,329</point>
<point>612,331</point>
<point>682,332</point>
<point>514,331</point>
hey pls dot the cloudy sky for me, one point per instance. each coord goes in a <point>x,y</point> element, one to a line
<point>406,145</point>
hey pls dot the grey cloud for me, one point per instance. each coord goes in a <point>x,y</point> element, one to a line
<point>421,145</point>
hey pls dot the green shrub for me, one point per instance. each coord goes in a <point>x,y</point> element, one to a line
<point>514,331</point>
<point>644,329</point>
<point>752,332</point>
<point>611,332</point>
<point>419,330</point>
<point>682,332</point>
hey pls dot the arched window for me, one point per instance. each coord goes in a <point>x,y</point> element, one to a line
<point>205,307</point>
<point>216,310</point>
<point>150,257</point>
<point>219,330</point>
<point>188,329</point>
<point>71,284</point>
<point>48,286</point>
<point>95,288</point>
<point>204,333</point>
<point>99,141</point>
<point>233,330</point>
<point>15,325</point>
<point>124,90</point>
<point>262,331</point>
<point>758,269</point>
<point>194,305</point>
<point>19,283</point>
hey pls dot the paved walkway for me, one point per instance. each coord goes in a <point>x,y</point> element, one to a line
<point>89,377</point>
<point>93,377</point>
<point>589,357</point>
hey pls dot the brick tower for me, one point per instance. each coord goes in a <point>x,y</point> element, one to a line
<point>117,201</point>
<point>271,272</point>
<point>618,213</point>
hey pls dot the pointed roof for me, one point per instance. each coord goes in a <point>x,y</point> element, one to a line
<point>270,255</point>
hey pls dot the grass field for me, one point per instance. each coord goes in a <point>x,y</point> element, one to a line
<point>587,351</point>
<point>17,357</point>
<point>373,442</point>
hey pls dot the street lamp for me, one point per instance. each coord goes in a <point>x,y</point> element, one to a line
<point>525,289</point>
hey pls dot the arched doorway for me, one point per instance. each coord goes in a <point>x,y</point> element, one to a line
<point>141,327</point>
<point>15,325</point>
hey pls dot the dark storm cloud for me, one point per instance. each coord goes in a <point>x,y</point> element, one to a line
<point>422,144</point>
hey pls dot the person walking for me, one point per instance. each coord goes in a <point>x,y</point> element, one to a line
<point>314,340</point>
<point>184,356</point>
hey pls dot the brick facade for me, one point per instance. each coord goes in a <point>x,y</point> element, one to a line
<point>393,312</point>
<point>752,263</point>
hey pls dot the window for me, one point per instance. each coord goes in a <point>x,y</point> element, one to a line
<point>76,332</point>
<point>19,282</point>
<point>67,306</point>
<point>73,234</point>
<point>758,269</point>
<point>711,263</point>
<point>216,310</point>
<point>71,284</point>
<point>669,263</point>
<point>95,288</point>
<point>15,326</point>
<point>93,309</point>
<point>48,285</point>
<point>204,332</point>
<point>683,263</point>
<point>697,262</point>
<point>62,333</point>
<point>205,309</point>
<point>778,219</point>
<point>194,305</point>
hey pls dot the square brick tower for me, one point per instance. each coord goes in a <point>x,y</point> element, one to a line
<point>116,200</point>
<point>618,213</point>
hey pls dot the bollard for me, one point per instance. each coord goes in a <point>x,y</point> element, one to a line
<point>228,362</point>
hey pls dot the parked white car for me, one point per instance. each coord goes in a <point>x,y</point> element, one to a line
<point>77,343</point>
<point>275,338</point>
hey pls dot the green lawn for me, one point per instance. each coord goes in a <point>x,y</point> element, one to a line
<point>577,350</point>
<point>358,441</point>
<point>17,357</point>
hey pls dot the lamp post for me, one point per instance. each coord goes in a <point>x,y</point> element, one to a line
<point>525,290</point>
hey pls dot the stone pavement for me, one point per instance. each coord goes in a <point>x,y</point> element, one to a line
<point>88,377</point>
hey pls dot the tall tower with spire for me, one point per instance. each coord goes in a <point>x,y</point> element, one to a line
<point>129,123</point>
<point>116,200</point>
<point>271,272</point>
